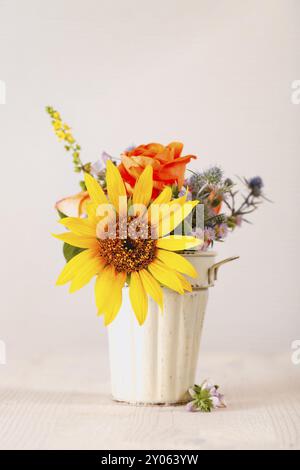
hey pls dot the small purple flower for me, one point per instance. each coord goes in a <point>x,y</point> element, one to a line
<point>205,397</point>
<point>208,235</point>
<point>130,148</point>
<point>100,165</point>
<point>186,191</point>
<point>191,406</point>
<point>238,220</point>
<point>222,231</point>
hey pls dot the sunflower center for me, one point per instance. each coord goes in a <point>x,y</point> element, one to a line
<point>130,254</point>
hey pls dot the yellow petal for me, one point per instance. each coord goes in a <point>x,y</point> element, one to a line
<point>74,265</point>
<point>138,297</point>
<point>178,242</point>
<point>91,210</point>
<point>94,189</point>
<point>162,208</point>
<point>143,187</point>
<point>154,210</point>
<point>164,197</point>
<point>115,184</point>
<point>178,212</point>
<point>165,276</point>
<point>79,226</point>
<point>86,273</point>
<point>152,287</point>
<point>185,284</point>
<point>177,262</point>
<point>77,240</point>
<point>108,293</point>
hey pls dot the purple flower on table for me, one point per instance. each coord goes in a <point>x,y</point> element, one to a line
<point>191,406</point>
<point>205,397</point>
<point>216,397</point>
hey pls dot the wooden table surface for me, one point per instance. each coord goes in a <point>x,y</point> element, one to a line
<point>62,401</point>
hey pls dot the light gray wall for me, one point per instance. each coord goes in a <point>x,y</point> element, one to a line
<point>215,75</point>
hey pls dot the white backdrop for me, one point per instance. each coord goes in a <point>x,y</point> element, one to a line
<point>214,75</point>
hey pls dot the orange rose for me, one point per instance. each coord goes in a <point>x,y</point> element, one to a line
<point>168,165</point>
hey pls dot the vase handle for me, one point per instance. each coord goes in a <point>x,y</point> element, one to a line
<point>213,270</point>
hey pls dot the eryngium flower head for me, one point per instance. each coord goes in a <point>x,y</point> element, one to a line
<point>256,185</point>
<point>211,177</point>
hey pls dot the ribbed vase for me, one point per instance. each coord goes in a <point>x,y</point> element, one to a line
<point>156,363</point>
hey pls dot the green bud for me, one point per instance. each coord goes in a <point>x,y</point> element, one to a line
<point>82,185</point>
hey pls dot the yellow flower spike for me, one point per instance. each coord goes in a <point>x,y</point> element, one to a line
<point>60,134</point>
<point>69,138</point>
<point>115,184</point>
<point>177,262</point>
<point>138,297</point>
<point>143,188</point>
<point>57,124</point>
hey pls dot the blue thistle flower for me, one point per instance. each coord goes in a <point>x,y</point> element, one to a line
<point>256,185</point>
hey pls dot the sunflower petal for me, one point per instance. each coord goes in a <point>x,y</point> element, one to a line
<point>162,208</point>
<point>152,287</point>
<point>178,242</point>
<point>154,210</point>
<point>138,297</point>
<point>107,282</point>
<point>115,184</point>
<point>177,262</point>
<point>77,240</point>
<point>71,268</point>
<point>86,273</point>
<point>79,226</point>
<point>176,215</point>
<point>94,189</point>
<point>143,188</point>
<point>184,282</point>
<point>165,276</point>
<point>164,197</point>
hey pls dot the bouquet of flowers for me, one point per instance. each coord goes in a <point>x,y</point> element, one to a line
<point>117,232</point>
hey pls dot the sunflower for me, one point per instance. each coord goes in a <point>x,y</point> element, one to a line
<point>145,263</point>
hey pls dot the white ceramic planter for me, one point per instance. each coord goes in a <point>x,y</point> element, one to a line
<point>156,363</point>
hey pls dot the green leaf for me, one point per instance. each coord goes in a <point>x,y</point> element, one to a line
<point>70,251</point>
<point>61,214</point>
